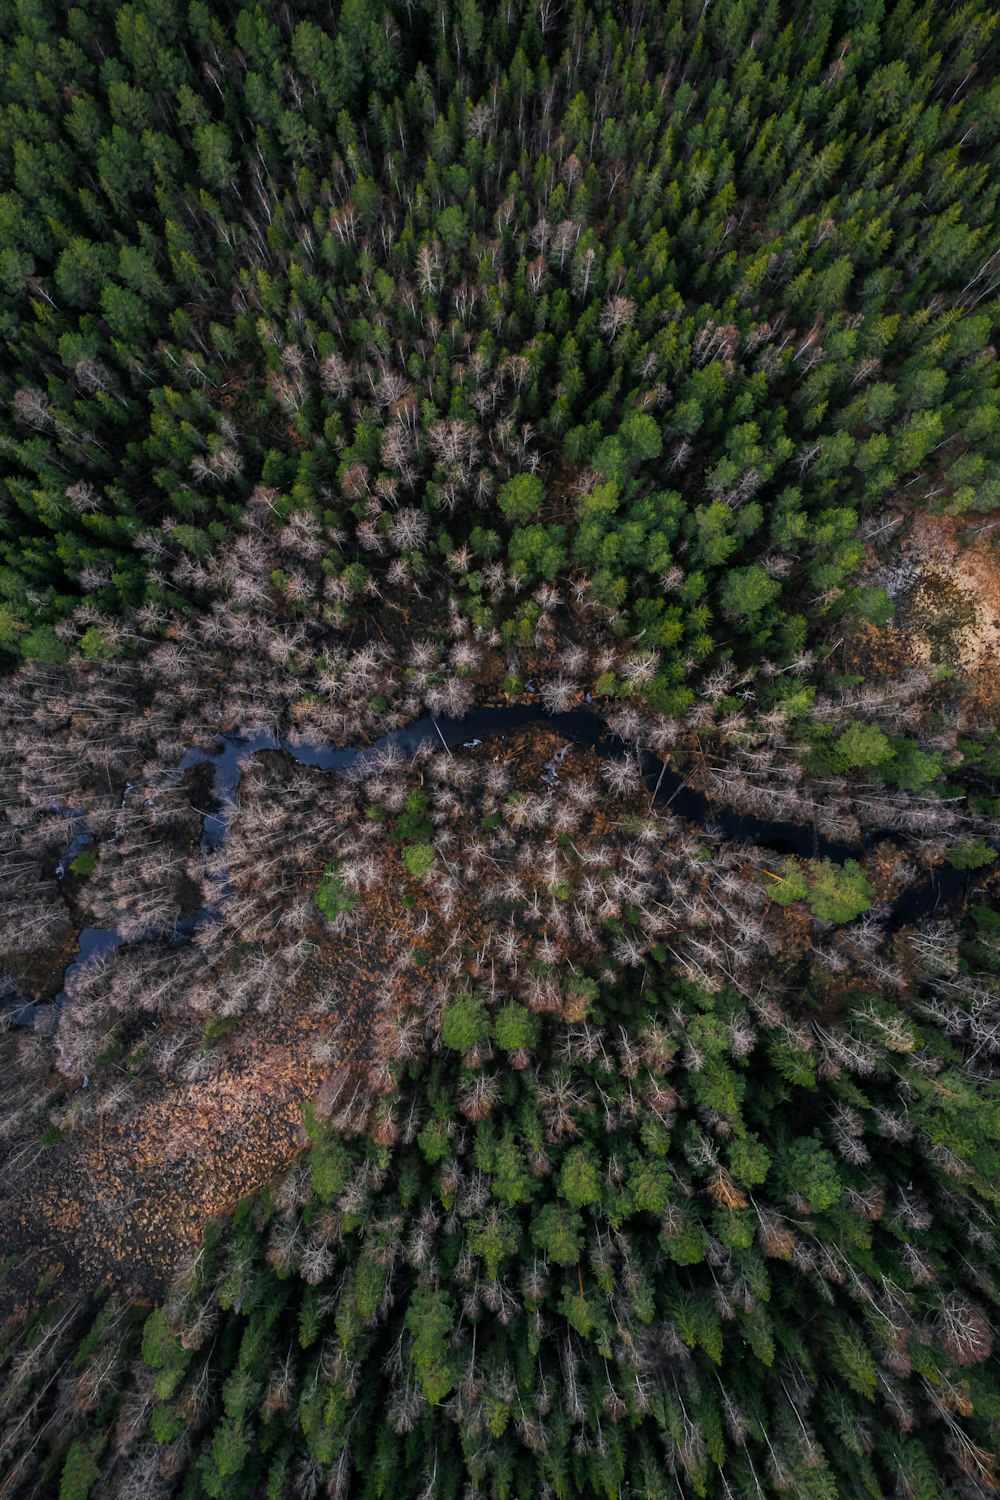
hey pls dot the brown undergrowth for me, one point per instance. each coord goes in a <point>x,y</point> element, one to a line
<point>122,1200</point>
<point>944,579</point>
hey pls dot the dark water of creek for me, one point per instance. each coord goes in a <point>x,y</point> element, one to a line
<point>581,726</point>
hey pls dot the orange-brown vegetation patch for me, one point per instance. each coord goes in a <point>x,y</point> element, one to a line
<point>794,934</point>
<point>123,1199</point>
<point>879,652</point>
<point>890,870</point>
<point>944,577</point>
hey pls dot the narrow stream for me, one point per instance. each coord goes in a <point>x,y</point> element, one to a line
<point>580,726</point>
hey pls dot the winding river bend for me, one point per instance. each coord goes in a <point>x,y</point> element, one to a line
<point>580,726</point>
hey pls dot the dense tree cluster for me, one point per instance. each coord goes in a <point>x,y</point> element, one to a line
<point>366,363</point>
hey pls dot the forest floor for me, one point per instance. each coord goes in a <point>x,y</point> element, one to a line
<point>122,1201</point>
<point>944,579</point>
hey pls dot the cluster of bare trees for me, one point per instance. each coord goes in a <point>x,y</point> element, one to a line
<point>31,914</point>
<point>963,1000</point>
<point>146,877</point>
<point>166,992</point>
<point>97,746</point>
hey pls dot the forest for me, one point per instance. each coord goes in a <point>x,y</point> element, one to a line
<point>499,750</point>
